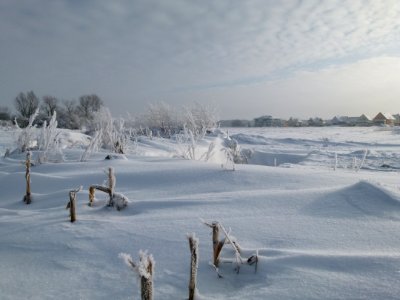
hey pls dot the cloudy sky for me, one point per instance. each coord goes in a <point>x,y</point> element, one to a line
<point>246,57</point>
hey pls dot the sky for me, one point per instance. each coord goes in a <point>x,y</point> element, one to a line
<point>245,58</point>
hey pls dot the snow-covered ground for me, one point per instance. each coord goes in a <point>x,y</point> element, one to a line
<point>320,233</point>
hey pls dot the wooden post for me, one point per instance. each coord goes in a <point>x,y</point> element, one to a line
<point>27,197</point>
<point>72,206</point>
<point>72,203</point>
<point>92,190</point>
<point>145,271</point>
<point>147,282</point>
<point>217,244</point>
<point>193,245</point>
<point>111,185</point>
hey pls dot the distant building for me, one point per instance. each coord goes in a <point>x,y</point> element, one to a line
<point>384,119</point>
<point>294,122</point>
<point>316,122</point>
<point>345,121</point>
<point>264,121</point>
<point>234,123</point>
<point>396,119</point>
<point>364,120</point>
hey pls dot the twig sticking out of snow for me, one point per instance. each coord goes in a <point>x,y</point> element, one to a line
<point>363,160</point>
<point>238,258</point>
<point>336,162</point>
<point>144,269</point>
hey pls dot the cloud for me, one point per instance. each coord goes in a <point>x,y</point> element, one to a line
<point>367,86</point>
<point>134,51</point>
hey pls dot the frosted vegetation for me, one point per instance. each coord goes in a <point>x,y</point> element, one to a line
<point>302,213</point>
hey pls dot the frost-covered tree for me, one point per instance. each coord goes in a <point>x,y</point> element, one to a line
<point>199,119</point>
<point>161,119</point>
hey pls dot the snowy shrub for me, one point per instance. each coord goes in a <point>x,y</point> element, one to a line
<point>233,154</point>
<point>48,142</point>
<point>114,135</point>
<point>187,148</point>
<point>93,146</point>
<point>199,119</point>
<point>27,139</point>
<point>187,144</point>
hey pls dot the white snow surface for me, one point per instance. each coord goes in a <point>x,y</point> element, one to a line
<point>320,233</point>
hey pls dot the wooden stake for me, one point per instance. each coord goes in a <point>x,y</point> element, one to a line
<point>91,195</point>
<point>147,282</point>
<point>145,271</point>
<point>193,245</point>
<point>92,190</point>
<point>111,185</point>
<point>72,203</point>
<point>217,244</point>
<point>27,197</point>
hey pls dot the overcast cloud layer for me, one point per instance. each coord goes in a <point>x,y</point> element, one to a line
<point>286,58</point>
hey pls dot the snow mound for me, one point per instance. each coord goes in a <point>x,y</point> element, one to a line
<point>358,200</point>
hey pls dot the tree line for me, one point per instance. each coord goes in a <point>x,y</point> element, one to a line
<point>71,114</point>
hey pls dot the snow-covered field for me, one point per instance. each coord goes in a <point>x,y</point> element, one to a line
<point>319,233</point>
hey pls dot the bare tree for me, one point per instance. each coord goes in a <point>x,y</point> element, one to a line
<point>26,104</point>
<point>49,105</point>
<point>70,106</point>
<point>88,104</point>
<point>68,115</point>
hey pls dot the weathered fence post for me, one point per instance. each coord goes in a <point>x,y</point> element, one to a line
<point>217,244</point>
<point>92,190</point>
<point>194,249</point>
<point>145,270</point>
<point>111,185</point>
<point>147,282</point>
<point>27,197</point>
<point>72,203</point>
